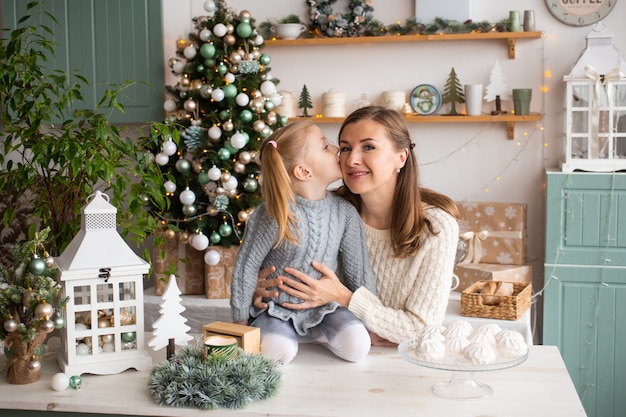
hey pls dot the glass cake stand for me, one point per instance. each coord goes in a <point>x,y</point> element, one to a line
<point>462,385</point>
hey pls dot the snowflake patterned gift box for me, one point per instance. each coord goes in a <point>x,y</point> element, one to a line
<point>188,265</point>
<point>217,278</point>
<point>495,232</point>
<point>471,273</point>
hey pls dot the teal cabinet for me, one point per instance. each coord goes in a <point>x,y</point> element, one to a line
<point>110,42</point>
<point>584,311</point>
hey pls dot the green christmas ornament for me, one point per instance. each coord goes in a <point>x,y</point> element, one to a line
<point>265,59</point>
<point>183,166</point>
<point>76,381</point>
<point>215,238</point>
<point>129,337</point>
<point>222,68</point>
<point>250,185</point>
<point>223,154</point>
<point>189,210</point>
<point>207,50</point>
<point>224,114</point>
<point>226,230</point>
<point>203,178</point>
<point>244,30</point>
<point>245,116</point>
<point>36,266</point>
<point>59,322</point>
<point>209,63</point>
<point>230,91</point>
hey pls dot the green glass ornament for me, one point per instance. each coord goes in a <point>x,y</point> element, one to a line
<point>36,266</point>
<point>203,178</point>
<point>189,210</point>
<point>183,166</point>
<point>207,50</point>
<point>209,63</point>
<point>244,30</point>
<point>222,68</point>
<point>224,114</point>
<point>230,91</point>
<point>230,147</point>
<point>246,116</point>
<point>226,230</point>
<point>59,322</point>
<point>76,381</point>
<point>223,154</point>
<point>129,337</point>
<point>215,238</point>
<point>250,185</point>
<point>265,59</point>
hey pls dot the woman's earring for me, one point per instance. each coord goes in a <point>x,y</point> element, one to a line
<point>398,170</point>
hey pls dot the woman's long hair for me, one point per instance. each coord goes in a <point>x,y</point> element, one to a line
<point>407,214</point>
<point>279,154</point>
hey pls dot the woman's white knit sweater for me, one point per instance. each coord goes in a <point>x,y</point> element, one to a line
<point>412,292</point>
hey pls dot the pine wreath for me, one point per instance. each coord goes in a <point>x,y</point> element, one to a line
<point>190,379</point>
<point>357,22</point>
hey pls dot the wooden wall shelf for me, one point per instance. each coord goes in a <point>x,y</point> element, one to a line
<point>509,119</point>
<point>509,37</point>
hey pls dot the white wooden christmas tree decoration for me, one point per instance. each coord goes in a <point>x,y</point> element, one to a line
<point>170,327</point>
<point>103,278</point>
<point>497,89</point>
<point>595,122</point>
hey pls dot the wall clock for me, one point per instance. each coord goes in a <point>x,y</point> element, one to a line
<point>580,13</point>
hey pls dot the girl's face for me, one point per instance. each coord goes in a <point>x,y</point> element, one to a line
<point>321,157</point>
<point>369,161</point>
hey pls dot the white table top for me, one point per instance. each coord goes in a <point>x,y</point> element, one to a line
<point>317,383</point>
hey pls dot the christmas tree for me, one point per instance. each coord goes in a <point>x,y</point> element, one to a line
<point>218,113</point>
<point>497,89</point>
<point>305,101</point>
<point>453,93</point>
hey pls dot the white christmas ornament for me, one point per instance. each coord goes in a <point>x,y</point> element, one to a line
<point>178,67</point>
<point>190,52</point>
<point>212,257</point>
<point>60,381</point>
<point>200,242</point>
<point>268,88</point>
<point>238,140</point>
<point>169,105</point>
<point>242,99</point>
<point>229,77</point>
<point>217,94</point>
<point>161,159</point>
<point>187,197</point>
<point>220,30</point>
<point>209,6</point>
<point>171,324</point>
<point>170,186</point>
<point>231,184</point>
<point>215,132</point>
<point>276,99</point>
<point>214,173</point>
<point>169,147</point>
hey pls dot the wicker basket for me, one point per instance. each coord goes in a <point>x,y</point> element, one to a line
<point>508,307</point>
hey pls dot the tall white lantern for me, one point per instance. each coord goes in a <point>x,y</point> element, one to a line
<point>596,107</point>
<point>103,278</point>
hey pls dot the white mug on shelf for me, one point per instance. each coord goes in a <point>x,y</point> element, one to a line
<point>455,282</point>
<point>473,99</point>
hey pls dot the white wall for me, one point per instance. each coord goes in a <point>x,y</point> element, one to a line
<point>471,161</point>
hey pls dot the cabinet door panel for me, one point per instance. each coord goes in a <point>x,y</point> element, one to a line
<point>585,316</point>
<point>110,42</point>
<point>586,214</point>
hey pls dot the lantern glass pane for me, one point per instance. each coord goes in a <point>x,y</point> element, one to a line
<point>580,96</point>
<point>105,293</point>
<point>620,95</point>
<point>127,291</point>
<point>619,144</point>
<point>619,122</point>
<point>128,316</point>
<point>82,295</point>
<point>580,122</point>
<point>600,150</point>
<point>579,148</point>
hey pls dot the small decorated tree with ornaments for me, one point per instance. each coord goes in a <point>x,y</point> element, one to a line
<point>30,306</point>
<point>217,114</point>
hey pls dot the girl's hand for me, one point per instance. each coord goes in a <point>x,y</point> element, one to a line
<point>262,286</point>
<point>312,292</point>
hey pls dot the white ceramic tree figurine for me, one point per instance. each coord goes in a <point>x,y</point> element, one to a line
<point>497,89</point>
<point>170,329</point>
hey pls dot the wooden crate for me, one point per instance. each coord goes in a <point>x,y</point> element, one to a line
<point>508,307</point>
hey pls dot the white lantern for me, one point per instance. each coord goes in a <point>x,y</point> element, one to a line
<point>596,108</point>
<point>103,279</point>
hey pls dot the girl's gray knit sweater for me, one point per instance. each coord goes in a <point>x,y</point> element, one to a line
<point>330,232</point>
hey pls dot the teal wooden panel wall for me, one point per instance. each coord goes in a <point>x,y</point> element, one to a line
<point>584,311</point>
<point>110,42</point>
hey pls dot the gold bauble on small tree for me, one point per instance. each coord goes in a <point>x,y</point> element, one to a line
<point>30,304</point>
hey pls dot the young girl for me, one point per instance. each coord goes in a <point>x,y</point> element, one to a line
<point>301,221</point>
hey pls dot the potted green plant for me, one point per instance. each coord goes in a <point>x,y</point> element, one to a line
<point>54,154</point>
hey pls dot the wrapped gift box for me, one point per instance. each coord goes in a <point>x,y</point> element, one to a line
<point>188,266</point>
<point>218,277</point>
<point>471,273</point>
<point>495,232</point>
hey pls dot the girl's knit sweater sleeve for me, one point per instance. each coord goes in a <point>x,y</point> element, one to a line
<point>412,292</point>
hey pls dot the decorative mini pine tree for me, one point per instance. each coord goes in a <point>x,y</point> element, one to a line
<point>218,113</point>
<point>304,101</point>
<point>453,93</point>
<point>497,89</point>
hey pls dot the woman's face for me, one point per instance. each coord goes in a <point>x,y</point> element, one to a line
<point>368,159</point>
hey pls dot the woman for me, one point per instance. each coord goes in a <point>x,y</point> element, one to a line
<point>411,234</point>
